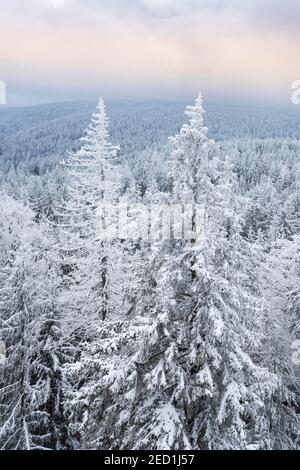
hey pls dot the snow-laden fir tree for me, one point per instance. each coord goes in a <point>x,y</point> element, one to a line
<point>31,404</point>
<point>95,267</point>
<point>294,294</point>
<point>93,185</point>
<point>279,278</point>
<point>197,381</point>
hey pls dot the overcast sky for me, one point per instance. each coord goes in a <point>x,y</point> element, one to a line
<point>234,50</point>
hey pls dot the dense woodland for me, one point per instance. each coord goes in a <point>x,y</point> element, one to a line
<point>142,344</point>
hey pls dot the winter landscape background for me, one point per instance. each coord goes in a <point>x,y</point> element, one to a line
<point>131,344</point>
<point>181,332</point>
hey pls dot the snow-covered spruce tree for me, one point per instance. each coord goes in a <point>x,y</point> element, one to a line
<point>45,193</point>
<point>294,296</point>
<point>30,378</point>
<point>293,306</point>
<point>16,225</point>
<point>197,381</point>
<point>279,278</point>
<point>93,264</point>
<point>48,419</point>
<point>93,182</point>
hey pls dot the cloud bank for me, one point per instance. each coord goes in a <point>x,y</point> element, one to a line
<point>233,50</point>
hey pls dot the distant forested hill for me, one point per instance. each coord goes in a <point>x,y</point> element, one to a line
<point>49,130</point>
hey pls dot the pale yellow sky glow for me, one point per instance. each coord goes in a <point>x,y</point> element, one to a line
<point>75,49</point>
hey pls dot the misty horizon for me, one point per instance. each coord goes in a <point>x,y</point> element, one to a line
<point>69,50</point>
